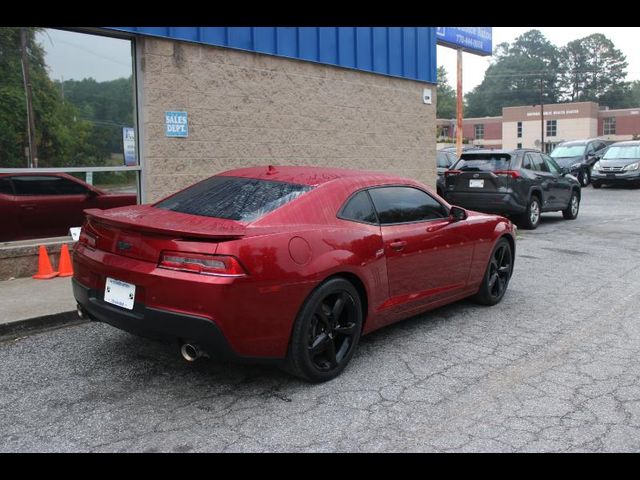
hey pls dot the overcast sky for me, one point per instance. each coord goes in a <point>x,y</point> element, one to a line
<point>473,67</point>
<point>76,56</point>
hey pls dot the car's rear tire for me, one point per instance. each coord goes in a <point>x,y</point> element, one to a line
<point>497,276</point>
<point>596,184</point>
<point>531,218</point>
<point>326,332</point>
<point>571,212</point>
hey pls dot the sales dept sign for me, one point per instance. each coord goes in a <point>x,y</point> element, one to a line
<point>176,124</point>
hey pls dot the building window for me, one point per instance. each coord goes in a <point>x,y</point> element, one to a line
<point>83,113</point>
<point>610,126</point>
<point>519,145</point>
<point>479,131</point>
<point>519,130</point>
<point>552,128</point>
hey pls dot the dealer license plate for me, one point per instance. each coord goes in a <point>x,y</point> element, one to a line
<point>119,293</point>
<point>476,183</point>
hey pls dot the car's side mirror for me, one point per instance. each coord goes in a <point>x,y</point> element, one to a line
<point>564,170</point>
<point>457,213</point>
<point>91,193</point>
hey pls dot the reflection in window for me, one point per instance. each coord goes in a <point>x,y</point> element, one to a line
<point>81,98</point>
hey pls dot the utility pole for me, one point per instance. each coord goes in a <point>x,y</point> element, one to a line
<point>31,128</point>
<point>541,120</point>
<point>459,107</point>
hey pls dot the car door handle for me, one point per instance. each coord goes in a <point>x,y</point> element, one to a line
<point>398,245</point>
<point>27,206</point>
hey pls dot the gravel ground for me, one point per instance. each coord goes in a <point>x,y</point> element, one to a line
<point>554,367</point>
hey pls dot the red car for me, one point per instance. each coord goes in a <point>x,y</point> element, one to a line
<point>38,205</point>
<point>286,264</point>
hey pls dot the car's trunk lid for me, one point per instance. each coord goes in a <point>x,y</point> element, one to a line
<point>142,231</point>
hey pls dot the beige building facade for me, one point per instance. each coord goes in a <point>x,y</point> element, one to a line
<point>248,109</point>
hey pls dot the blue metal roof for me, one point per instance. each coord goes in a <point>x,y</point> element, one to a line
<point>407,52</point>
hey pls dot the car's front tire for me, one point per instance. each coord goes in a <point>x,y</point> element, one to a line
<point>497,276</point>
<point>585,178</point>
<point>571,212</point>
<point>326,332</point>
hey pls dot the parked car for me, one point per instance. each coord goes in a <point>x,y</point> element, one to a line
<point>286,264</point>
<point>446,157</point>
<point>38,205</point>
<point>620,165</point>
<point>520,183</point>
<point>579,156</point>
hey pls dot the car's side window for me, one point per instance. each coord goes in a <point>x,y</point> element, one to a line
<point>5,186</point>
<point>551,164</point>
<point>526,162</point>
<point>69,187</point>
<point>46,185</point>
<point>539,163</point>
<point>591,148</point>
<point>359,209</point>
<point>405,204</point>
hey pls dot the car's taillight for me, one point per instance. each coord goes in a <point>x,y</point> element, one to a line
<point>449,173</point>
<point>87,238</point>
<point>202,263</point>
<point>511,173</point>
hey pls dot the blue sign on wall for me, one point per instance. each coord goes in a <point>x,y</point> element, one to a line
<point>176,124</point>
<point>470,39</point>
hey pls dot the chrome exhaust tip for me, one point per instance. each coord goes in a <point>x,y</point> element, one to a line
<point>80,310</point>
<point>191,352</point>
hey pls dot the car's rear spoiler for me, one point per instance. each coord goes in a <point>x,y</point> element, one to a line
<point>166,222</point>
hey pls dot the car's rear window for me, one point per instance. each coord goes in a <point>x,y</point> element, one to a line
<point>233,198</point>
<point>484,162</point>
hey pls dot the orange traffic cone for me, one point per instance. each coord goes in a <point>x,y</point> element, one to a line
<point>64,265</point>
<point>44,265</point>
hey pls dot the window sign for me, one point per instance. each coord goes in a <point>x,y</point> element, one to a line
<point>176,124</point>
<point>129,146</point>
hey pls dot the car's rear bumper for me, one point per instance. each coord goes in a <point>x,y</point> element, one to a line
<point>153,322</point>
<point>159,324</point>
<point>503,203</point>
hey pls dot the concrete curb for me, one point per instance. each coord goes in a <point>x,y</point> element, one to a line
<point>30,326</point>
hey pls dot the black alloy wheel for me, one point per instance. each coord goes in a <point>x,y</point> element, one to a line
<point>497,276</point>
<point>326,332</point>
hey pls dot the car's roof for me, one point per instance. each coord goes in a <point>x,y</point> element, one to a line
<point>628,143</point>
<point>312,176</point>
<point>500,151</point>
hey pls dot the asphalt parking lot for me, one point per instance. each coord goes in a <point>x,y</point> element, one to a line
<point>554,367</point>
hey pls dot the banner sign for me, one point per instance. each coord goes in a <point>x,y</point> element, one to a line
<point>476,40</point>
<point>129,146</point>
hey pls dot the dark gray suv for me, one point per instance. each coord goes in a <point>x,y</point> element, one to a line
<point>517,183</point>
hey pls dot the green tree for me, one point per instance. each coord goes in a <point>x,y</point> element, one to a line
<point>594,70</point>
<point>446,107</point>
<point>61,140</point>
<point>514,76</point>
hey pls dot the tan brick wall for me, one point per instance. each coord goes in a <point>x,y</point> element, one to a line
<point>250,109</point>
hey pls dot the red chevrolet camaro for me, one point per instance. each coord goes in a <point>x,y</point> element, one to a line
<point>286,264</point>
